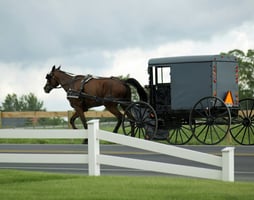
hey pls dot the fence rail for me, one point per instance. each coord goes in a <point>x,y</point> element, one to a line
<point>47,114</point>
<point>95,159</point>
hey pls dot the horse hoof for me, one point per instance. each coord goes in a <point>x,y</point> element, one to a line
<point>85,141</point>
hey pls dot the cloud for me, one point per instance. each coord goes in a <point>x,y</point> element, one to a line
<point>134,61</point>
<point>34,31</point>
<point>110,37</point>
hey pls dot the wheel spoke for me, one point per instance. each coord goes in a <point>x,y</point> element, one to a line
<point>171,134</point>
<point>219,127</point>
<point>143,132</point>
<point>181,136</point>
<point>236,127</point>
<point>184,129</point>
<point>243,135</point>
<point>200,132</point>
<point>135,131</point>
<point>216,127</point>
<point>239,132</point>
<point>206,133</point>
<point>176,135</point>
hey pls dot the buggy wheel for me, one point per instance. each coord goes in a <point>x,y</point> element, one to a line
<point>242,129</point>
<point>210,120</point>
<point>180,134</point>
<point>140,120</point>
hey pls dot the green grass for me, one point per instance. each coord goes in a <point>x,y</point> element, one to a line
<point>41,141</point>
<point>18,185</point>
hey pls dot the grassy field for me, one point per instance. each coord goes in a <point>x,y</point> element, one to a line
<point>19,185</point>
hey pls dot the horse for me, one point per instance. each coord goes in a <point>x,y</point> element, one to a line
<point>107,91</point>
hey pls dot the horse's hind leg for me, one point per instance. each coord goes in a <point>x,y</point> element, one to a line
<point>113,109</point>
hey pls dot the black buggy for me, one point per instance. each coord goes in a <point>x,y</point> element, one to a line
<point>192,96</point>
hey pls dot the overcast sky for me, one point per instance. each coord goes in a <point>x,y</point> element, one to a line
<point>111,37</point>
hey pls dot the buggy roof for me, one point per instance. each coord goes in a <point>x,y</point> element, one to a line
<point>191,59</point>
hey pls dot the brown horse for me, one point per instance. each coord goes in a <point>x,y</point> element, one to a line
<point>98,91</point>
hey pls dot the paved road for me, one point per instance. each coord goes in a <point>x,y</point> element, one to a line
<point>244,159</point>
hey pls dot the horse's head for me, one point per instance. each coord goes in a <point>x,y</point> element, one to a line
<point>52,81</point>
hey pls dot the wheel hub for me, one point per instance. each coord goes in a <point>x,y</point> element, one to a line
<point>246,122</point>
<point>210,120</point>
<point>140,124</point>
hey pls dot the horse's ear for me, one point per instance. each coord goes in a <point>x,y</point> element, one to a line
<point>53,68</point>
<point>59,67</point>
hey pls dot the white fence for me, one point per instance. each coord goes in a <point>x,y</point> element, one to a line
<point>94,159</point>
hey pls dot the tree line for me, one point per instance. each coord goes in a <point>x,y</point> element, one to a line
<point>27,102</point>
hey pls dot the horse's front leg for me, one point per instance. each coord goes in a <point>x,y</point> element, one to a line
<point>72,120</point>
<point>82,117</point>
<point>78,113</point>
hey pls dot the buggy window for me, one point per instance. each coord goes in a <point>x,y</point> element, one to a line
<point>163,75</point>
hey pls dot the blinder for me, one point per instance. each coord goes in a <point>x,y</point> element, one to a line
<point>48,76</point>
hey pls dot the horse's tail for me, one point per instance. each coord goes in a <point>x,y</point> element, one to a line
<point>141,92</point>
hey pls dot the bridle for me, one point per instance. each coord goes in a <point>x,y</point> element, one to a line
<point>50,77</point>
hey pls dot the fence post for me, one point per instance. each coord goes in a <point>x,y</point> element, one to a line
<point>93,148</point>
<point>228,164</point>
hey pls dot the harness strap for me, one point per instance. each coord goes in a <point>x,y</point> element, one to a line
<point>84,81</point>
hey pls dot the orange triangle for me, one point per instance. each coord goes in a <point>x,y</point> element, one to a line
<point>229,99</point>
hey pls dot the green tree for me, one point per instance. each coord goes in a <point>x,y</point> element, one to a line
<point>25,103</point>
<point>246,71</point>
<point>31,103</point>
<point>11,103</point>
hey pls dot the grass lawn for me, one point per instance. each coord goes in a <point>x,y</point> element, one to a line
<point>19,185</point>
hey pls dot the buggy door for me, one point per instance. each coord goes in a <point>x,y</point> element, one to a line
<point>162,88</point>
